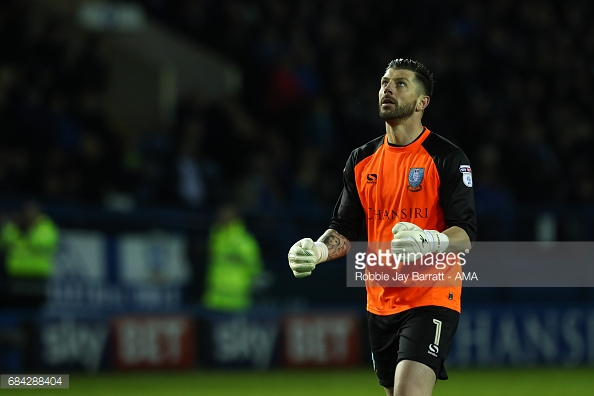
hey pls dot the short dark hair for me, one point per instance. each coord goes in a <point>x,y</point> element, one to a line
<point>421,72</point>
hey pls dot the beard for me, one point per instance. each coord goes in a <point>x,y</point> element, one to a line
<point>398,112</point>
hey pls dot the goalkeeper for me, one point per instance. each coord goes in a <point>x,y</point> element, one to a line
<point>413,188</point>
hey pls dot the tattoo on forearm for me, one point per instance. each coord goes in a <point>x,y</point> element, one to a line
<point>338,245</point>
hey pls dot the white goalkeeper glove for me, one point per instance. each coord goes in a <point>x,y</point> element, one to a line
<point>412,245</point>
<point>405,226</point>
<point>304,255</point>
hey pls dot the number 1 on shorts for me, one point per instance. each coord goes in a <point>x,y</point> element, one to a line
<point>437,331</point>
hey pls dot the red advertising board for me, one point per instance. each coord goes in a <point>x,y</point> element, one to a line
<point>321,340</point>
<point>153,342</point>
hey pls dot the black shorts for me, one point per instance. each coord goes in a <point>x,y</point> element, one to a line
<point>422,334</point>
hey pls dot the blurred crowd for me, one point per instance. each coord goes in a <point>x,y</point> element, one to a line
<point>57,141</point>
<point>514,82</point>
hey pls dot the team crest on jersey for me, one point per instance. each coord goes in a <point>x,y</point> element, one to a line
<point>415,177</point>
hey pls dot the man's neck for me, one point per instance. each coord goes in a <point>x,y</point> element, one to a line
<point>403,133</point>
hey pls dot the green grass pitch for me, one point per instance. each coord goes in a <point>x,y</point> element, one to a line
<point>485,382</point>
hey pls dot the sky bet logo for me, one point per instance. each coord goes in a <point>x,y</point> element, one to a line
<point>371,178</point>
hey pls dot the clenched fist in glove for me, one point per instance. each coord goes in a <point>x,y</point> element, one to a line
<point>412,242</point>
<point>304,255</point>
<point>405,226</point>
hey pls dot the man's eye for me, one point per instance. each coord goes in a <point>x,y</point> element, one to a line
<point>401,84</point>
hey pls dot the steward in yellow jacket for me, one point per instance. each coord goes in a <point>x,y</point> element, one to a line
<point>30,253</point>
<point>234,263</point>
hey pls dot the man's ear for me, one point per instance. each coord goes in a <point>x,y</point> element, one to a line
<point>423,102</point>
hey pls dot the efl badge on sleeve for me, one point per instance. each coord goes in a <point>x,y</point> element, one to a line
<point>415,177</point>
<point>466,175</point>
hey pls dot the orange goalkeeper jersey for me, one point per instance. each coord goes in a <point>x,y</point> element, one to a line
<point>428,183</point>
